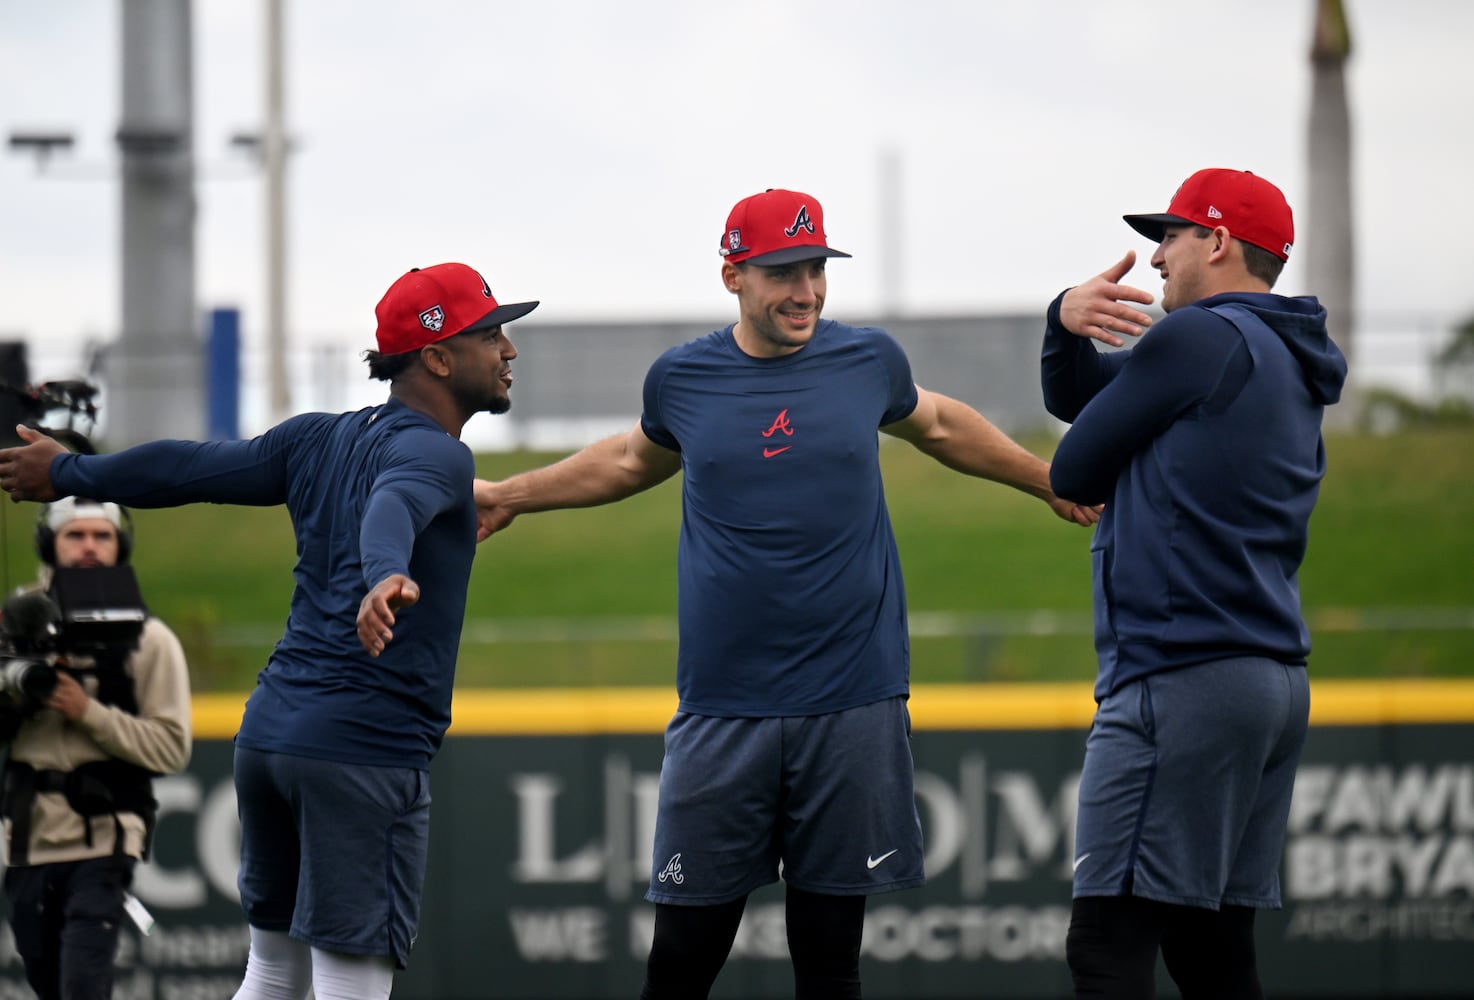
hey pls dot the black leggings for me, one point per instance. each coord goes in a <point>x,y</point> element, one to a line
<point>1113,943</point>
<point>692,944</point>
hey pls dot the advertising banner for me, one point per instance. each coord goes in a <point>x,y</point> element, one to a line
<point>542,822</point>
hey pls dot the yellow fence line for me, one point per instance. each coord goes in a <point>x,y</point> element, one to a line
<point>551,711</point>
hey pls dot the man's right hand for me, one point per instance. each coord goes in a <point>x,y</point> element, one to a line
<point>1096,308</point>
<point>492,515</point>
<point>25,472</point>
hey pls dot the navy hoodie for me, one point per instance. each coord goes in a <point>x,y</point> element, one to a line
<point>1204,443</point>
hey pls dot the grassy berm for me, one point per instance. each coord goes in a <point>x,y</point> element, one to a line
<point>999,589</point>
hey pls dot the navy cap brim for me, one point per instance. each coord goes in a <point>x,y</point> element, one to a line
<point>1152,226</point>
<point>502,315</point>
<point>792,255</point>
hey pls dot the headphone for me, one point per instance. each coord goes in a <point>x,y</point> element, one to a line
<point>70,509</point>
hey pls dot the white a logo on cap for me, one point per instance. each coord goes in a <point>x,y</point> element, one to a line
<point>800,221</point>
<point>734,240</point>
<point>1213,213</point>
<point>433,319</point>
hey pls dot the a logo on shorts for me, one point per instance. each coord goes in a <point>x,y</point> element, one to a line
<point>1079,861</point>
<point>672,870</point>
<point>871,861</point>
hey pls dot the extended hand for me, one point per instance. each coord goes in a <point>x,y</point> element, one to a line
<point>376,610</point>
<point>1096,308</point>
<point>1077,513</point>
<point>492,515</point>
<point>25,472</point>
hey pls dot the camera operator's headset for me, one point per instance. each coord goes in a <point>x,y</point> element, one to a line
<point>79,508</point>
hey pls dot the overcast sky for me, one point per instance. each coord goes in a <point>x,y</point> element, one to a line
<point>586,152</point>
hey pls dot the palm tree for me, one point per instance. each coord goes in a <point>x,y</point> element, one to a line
<point>1329,241</point>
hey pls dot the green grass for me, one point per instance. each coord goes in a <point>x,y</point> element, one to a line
<point>1392,531</point>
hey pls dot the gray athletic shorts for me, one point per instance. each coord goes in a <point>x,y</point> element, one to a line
<point>1186,786</point>
<point>333,854</point>
<point>829,796</point>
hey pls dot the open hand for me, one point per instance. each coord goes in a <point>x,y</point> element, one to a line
<point>1097,309</point>
<point>25,471</point>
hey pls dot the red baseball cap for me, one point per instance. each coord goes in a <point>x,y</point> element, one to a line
<point>430,304</point>
<point>1253,209</point>
<point>776,227</point>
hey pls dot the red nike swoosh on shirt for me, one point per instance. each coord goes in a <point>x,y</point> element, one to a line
<point>770,452</point>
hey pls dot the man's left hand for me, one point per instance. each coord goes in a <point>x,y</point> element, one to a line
<point>376,610</point>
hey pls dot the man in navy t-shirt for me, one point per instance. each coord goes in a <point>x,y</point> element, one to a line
<point>332,758</point>
<point>791,743</point>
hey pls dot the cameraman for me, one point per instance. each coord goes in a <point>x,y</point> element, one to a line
<point>78,806</point>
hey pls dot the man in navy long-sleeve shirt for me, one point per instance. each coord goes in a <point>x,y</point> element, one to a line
<point>332,758</point>
<point>1204,444</point>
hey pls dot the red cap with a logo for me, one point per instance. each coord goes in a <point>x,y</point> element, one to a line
<point>1251,208</point>
<point>430,304</point>
<point>776,227</point>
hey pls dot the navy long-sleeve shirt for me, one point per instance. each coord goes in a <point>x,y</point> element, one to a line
<point>1204,443</point>
<point>380,491</point>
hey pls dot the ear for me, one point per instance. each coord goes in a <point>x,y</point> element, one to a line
<point>1222,245</point>
<point>436,359</point>
<point>731,277</point>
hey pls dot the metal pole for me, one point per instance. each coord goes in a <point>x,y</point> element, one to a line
<point>155,370</point>
<point>274,159</point>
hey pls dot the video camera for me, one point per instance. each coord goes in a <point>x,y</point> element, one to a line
<point>89,611</point>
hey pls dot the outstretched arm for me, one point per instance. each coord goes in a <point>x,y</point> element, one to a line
<point>961,438</point>
<point>605,471</point>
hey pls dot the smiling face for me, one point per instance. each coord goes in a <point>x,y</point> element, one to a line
<point>779,306</point>
<point>482,375</point>
<point>1182,261</point>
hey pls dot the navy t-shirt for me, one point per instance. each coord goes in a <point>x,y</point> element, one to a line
<point>790,591</point>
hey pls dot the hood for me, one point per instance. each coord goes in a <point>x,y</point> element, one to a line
<point>1300,322</point>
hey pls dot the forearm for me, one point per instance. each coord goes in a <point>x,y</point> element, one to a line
<point>1071,370</point>
<point>962,439</point>
<point>608,470</point>
<point>170,473</point>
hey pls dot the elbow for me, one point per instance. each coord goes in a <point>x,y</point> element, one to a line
<point>1070,484</point>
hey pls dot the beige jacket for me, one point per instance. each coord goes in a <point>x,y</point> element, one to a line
<point>158,738</point>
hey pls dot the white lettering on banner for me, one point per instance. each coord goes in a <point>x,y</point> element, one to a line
<point>573,934</point>
<point>897,933</point>
<point>998,827</point>
<point>1381,852</point>
<point>1371,799</point>
<point>968,933</point>
<point>217,846</point>
<point>1376,921</point>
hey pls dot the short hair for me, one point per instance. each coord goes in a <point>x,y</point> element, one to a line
<point>1259,262</point>
<point>388,367</point>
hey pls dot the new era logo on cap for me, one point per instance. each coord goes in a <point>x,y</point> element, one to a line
<point>776,227</point>
<point>431,304</point>
<point>1251,208</point>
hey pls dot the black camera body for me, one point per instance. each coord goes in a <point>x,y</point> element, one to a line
<point>88,611</point>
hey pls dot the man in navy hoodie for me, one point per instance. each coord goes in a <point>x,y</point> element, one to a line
<point>1204,443</point>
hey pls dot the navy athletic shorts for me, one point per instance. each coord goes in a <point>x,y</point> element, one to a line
<point>1186,786</point>
<point>333,854</point>
<point>830,797</point>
